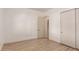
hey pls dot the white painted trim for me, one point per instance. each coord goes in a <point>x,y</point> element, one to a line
<point>19,39</point>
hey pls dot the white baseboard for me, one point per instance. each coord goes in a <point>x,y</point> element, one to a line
<point>54,38</point>
<point>18,40</point>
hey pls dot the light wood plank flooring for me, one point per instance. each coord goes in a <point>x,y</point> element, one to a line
<point>37,45</point>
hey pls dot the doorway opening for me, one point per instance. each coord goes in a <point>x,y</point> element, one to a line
<point>43,27</point>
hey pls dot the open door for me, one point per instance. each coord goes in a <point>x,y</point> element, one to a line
<point>41,27</point>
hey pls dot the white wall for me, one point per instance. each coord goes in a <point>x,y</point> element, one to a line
<point>54,26</point>
<point>20,24</point>
<point>1,28</point>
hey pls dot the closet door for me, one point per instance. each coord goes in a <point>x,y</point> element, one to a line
<point>77,28</point>
<point>68,27</point>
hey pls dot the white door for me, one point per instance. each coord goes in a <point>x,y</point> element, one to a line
<point>41,27</point>
<point>68,27</point>
<point>77,28</point>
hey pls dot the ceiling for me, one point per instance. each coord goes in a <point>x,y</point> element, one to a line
<point>41,9</point>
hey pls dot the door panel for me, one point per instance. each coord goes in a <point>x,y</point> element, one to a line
<point>77,28</point>
<point>68,27</point>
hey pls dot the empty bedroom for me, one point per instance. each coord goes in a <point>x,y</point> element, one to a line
<point>39,29</point>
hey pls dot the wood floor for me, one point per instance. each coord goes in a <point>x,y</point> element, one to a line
<point>37,45</point>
